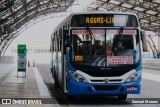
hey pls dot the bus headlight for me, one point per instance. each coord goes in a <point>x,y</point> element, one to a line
<point>77,76</point>
<point>133,77</point>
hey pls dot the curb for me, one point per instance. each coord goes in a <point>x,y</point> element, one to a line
<point>151,67</point>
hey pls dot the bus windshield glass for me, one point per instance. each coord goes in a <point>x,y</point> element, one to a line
<point>105,47</point>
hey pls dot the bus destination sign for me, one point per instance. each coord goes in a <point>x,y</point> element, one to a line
<point>108,20</point>
<point>104,20</point>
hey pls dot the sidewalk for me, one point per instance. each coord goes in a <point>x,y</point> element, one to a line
<point>30,87</point>
<point>13,87</point>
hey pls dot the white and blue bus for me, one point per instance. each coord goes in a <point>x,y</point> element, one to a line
<point>97,53</point>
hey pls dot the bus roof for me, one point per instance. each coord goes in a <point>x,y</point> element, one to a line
<point>68,18</point>
<point>104,12</point>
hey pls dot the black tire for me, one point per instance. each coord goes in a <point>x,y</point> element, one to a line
<point>122,97</point>
<point>70,97</point>
<point>56,83</point>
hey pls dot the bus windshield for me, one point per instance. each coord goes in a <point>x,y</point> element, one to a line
<point>105,47</point>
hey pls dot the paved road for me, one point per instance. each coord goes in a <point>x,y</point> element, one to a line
<point>150,89</point>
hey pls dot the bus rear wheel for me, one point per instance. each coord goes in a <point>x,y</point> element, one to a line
<point>56,83</point>
<point>122,96</point>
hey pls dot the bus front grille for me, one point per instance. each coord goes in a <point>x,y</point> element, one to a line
<point>111,80</point>
<point>105,87</point>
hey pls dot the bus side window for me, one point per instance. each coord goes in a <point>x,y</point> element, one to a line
<point>53,47</point>
<point>60,40</point>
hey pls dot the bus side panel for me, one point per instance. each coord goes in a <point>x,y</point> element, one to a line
<point>60,68</point>
<point>51,57</point>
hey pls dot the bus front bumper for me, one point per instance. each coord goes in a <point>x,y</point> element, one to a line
<point>79,88</point>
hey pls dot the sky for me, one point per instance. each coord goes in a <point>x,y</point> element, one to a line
<point>39,34</point>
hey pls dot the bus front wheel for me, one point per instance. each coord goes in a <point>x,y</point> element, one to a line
<point>70,97</point>
<point>122,96</point>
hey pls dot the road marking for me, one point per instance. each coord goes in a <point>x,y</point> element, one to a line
<point>43,90</point>
<point>150,76</point>
<point>41,85</point>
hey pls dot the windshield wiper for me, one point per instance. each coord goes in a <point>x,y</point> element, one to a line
<point>90,32</point>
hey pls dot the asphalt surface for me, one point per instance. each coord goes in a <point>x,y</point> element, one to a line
<point>150,89</point>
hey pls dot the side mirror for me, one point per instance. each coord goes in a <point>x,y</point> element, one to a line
<point>144,41</point>
<point>66,40</point>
